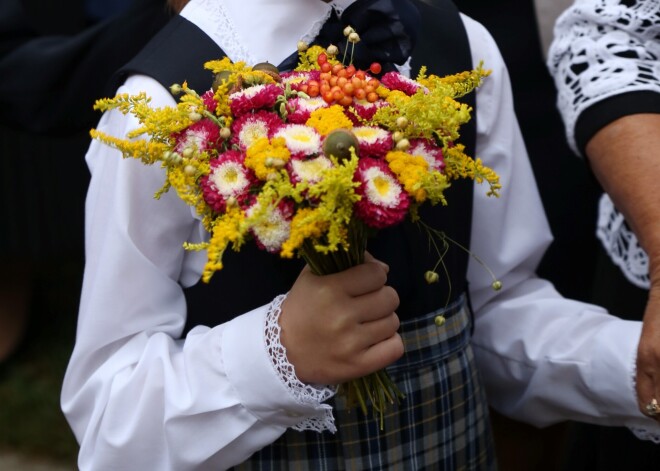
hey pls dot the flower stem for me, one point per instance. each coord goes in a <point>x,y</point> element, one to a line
<point>375,389</point>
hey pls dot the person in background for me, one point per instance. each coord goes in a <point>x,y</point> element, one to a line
<point>149,387</point>
<point>55,60</point>
<point>605,59</point>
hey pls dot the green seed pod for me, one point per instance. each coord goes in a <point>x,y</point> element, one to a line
<point>220,77</point>
<point>266,67</point>
<point>269,68</point>
<point>431,277</point>
<point>339,142</point>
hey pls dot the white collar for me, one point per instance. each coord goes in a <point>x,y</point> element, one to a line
<point>260,30</point>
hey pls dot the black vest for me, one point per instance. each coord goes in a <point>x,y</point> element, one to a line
<point>252,277</point>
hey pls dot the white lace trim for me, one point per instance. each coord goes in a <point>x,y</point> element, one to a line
<point>644,434</point>
<point>604,48</point>
<point>223,29</point>
<point>621,244</point>
<point>214,19</point>
<point>305,394</point>
<point>640,432</point>
<point>341,5</point>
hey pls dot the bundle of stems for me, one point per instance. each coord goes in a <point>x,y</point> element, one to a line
<point>376,389</point>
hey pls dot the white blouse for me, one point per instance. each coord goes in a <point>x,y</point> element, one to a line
<point>137,398</point>
<point>603,48</point>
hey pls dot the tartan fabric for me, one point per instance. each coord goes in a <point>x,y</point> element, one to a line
<point>442,424</point>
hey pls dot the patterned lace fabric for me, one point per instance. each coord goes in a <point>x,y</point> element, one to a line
<point>604,48</point>
<point>621,244</point>
<point>306,394</point>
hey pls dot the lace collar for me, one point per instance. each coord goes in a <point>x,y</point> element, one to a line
<point>260,30</point>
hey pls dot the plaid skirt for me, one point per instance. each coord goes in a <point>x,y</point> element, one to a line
<point>442,424</point>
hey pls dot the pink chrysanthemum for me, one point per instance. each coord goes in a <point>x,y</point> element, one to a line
<point>397,81</point>
<point>383,202</point>
<point>210,103</point>
<point>300,140</point>
<point>250,127</point>
<point>308,169</point>
<point>374,142</point>
<point>202,135</point>
<point>228,178</point>
<point>429,151</point>
<point>301,108</point>
<point>275,230</point>
<point>254,98</point>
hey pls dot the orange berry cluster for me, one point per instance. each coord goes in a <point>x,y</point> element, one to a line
<point>339,84</point>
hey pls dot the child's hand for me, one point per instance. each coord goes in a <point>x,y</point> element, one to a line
<point>342,326</point>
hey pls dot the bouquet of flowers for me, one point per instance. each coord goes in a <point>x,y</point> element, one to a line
<point>307,163</point>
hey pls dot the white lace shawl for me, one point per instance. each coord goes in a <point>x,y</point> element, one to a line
<point>604,48</point>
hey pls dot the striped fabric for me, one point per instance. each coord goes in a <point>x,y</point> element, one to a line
<point>442,424</point>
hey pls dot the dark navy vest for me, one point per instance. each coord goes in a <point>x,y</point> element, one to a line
<point>252,277</point>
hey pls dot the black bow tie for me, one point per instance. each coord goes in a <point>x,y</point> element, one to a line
<point>387,29</point>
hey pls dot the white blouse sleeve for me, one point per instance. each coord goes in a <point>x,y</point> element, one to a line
<point>136,395</point>
<point>543,358</point>
<point>603,48</point>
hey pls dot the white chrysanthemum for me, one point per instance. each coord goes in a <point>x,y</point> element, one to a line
<point>310,170</point>
<point>272,231</point>
<point>310,104</point>
<point>251,131</point>
<point>430,158</point>
<point>370,134</point>
<point>380,188</point>
<point>432,155</point>
<point>249,92</point>
<point>300,139</point>
<point>196,139</point>
<point>229,178</point>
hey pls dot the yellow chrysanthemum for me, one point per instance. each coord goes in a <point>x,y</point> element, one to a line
<point>326,120</point>
<point>265,157</point>
<point>410,171</point>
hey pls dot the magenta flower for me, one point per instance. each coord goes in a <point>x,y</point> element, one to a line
<point>228,179</point>
<point>257,97</point>
<point>384,202</point>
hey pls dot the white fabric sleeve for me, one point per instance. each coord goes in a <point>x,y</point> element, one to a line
<point>603,48</point>
<point>135,395</point>
<point>543,358</point>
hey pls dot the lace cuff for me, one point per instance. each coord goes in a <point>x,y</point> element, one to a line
<point>305,394</point>
<point>621,244</point>
<point>641,432</point>
<point>644,434</point>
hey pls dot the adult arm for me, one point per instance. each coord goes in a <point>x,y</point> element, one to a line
<point>605,62</point>
<point>544,358</point>
<point>625,157</point>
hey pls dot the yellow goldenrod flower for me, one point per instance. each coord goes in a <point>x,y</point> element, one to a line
<point>326,120</point>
